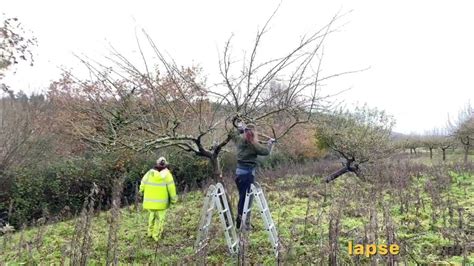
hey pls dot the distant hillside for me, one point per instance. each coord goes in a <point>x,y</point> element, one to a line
<point>398,136</point>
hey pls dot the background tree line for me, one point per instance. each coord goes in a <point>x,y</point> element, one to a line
<point>47,167</point>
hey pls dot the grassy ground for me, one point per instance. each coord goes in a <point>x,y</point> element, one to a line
<point>310,217</point>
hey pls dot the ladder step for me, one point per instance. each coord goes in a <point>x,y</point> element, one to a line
<point>202,244</point>
<point>271,226</point>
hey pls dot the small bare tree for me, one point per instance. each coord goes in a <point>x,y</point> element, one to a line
<point>137,107</point>
<point>445,142</point>
<point>463,129</point>
<point>413,142</point>
<point>358,137</point>
<point>430,141</point>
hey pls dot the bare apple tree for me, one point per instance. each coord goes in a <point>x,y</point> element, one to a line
<point>135,106</point>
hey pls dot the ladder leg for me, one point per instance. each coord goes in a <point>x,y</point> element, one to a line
<point>234,246</point>
<point>267,218</point>
<point>205,221</point>
<point>247,219</point>
<point>247,209</point>
<point>226,219</point>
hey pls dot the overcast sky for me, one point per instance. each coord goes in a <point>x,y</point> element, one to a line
<point>420,53</point>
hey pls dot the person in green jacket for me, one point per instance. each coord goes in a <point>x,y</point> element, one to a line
<point>248,148</point>
<point>159,191</point>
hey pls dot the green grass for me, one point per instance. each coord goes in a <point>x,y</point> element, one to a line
<point>421,241</point>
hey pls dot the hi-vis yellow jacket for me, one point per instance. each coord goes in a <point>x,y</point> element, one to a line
<point>159,190</point>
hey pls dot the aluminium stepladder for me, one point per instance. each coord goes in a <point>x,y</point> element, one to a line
<point>256,193</point>
<point>216,197</point>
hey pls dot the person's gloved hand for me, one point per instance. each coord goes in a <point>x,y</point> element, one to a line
<point>271,141</point>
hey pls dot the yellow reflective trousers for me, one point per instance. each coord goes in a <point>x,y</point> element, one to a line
<point>156,223</point>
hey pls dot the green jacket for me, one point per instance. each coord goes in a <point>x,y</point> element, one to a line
<point>247,152</point>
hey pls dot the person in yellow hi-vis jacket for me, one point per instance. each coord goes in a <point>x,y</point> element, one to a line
<point>159,191</point>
